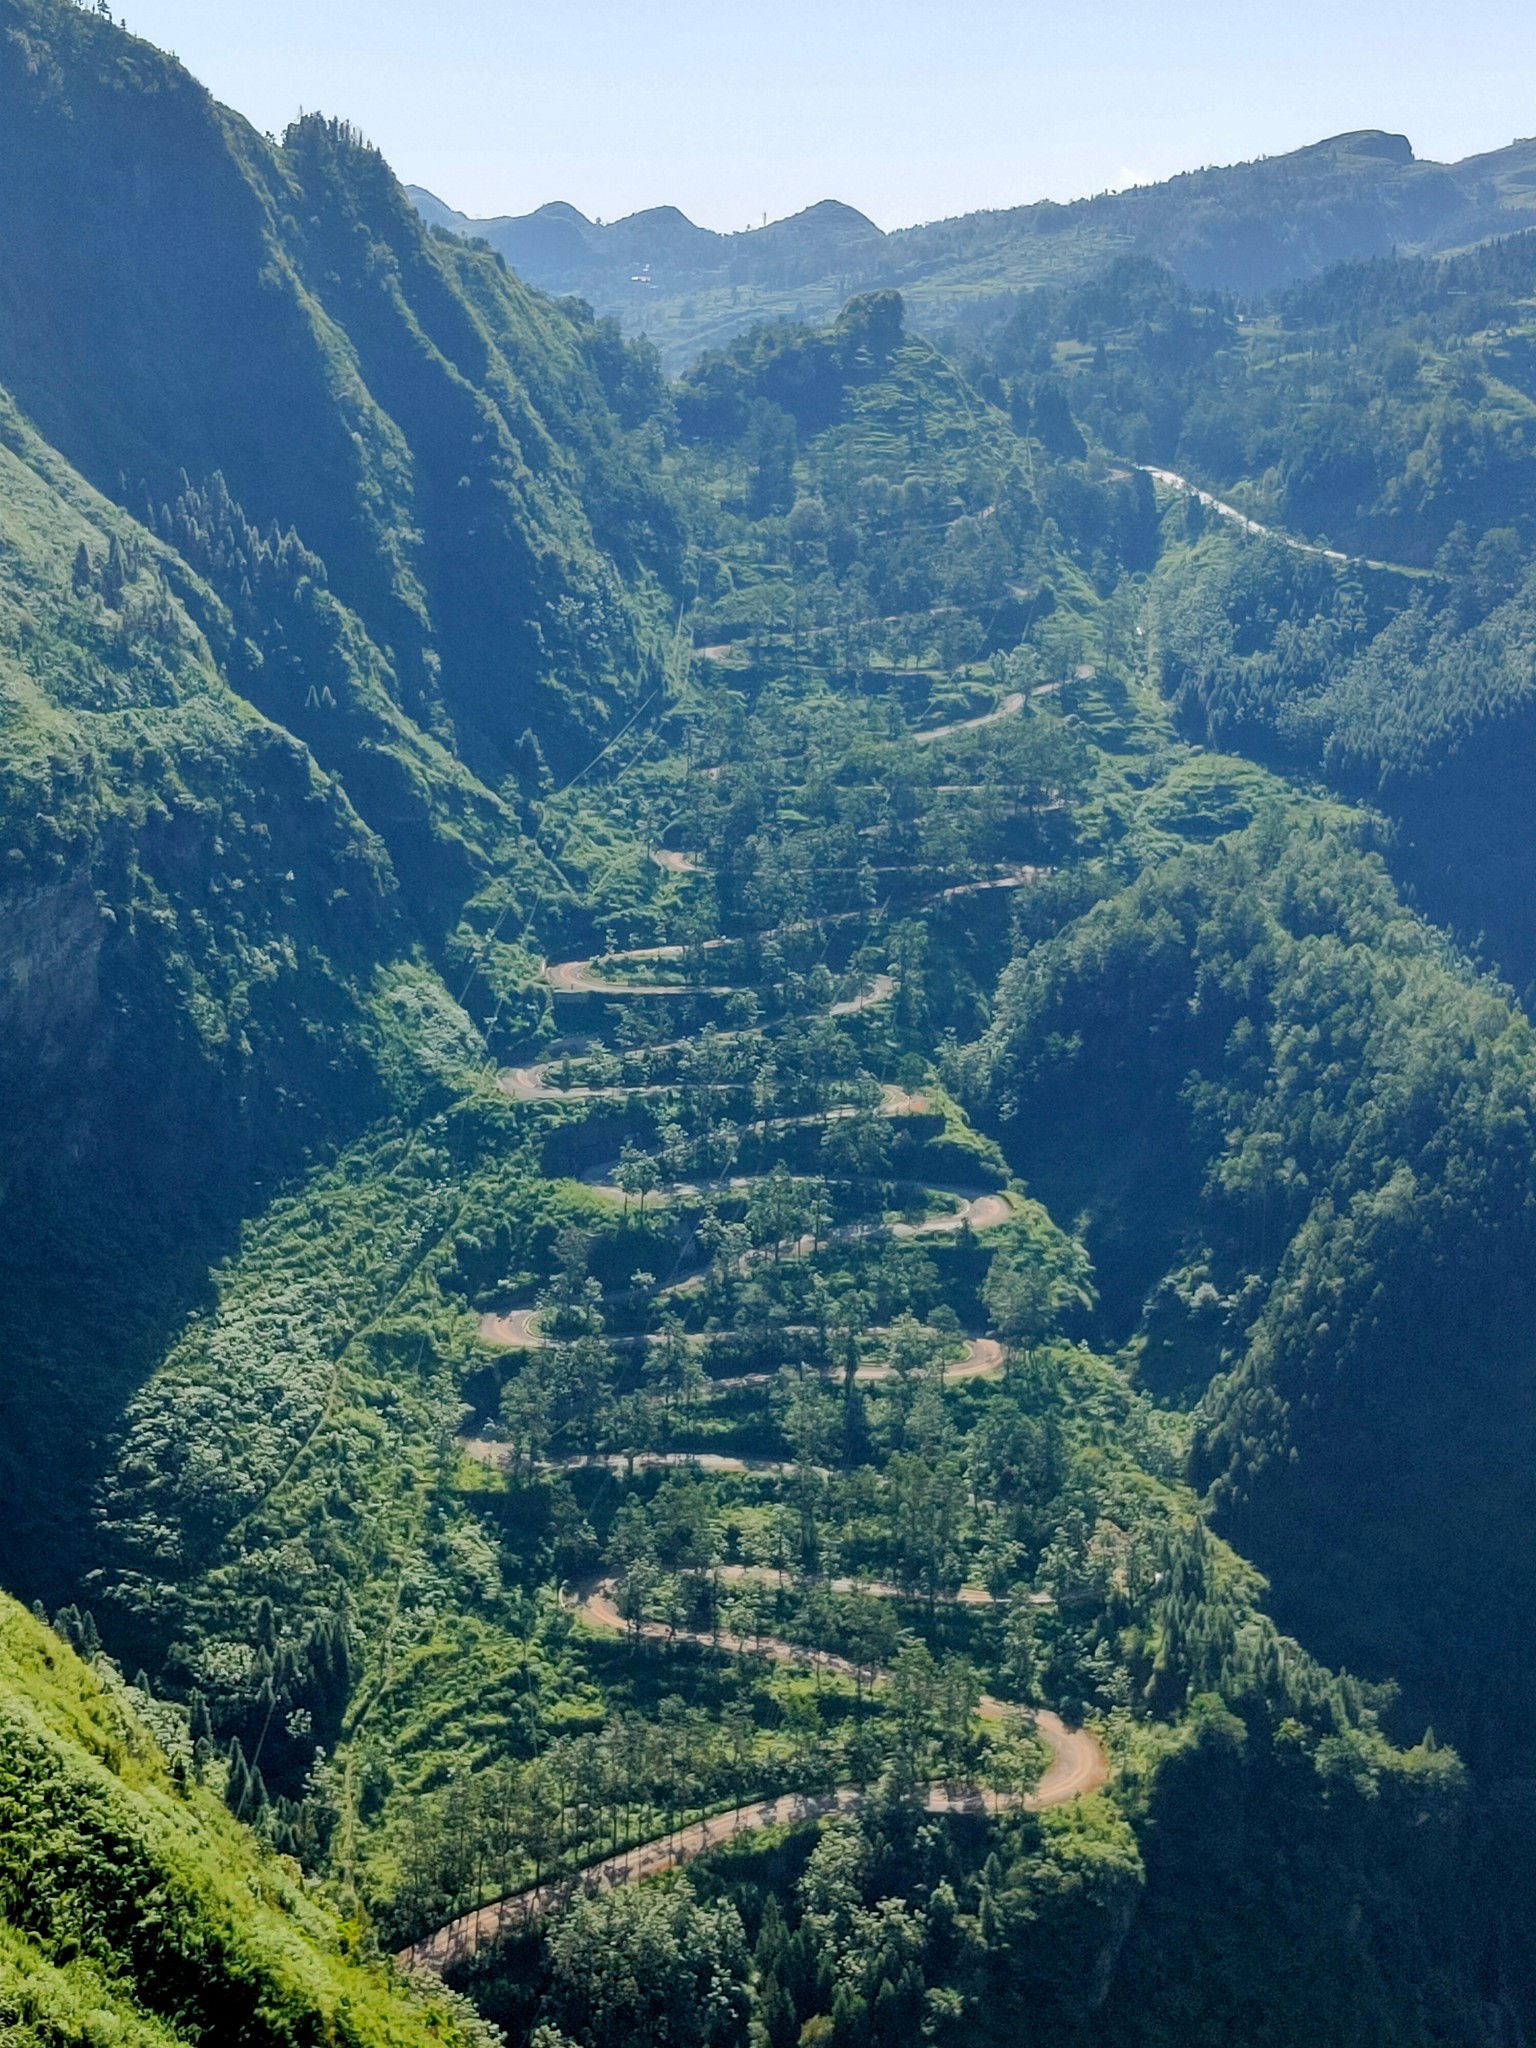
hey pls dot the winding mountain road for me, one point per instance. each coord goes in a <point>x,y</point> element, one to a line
<point>1242,520</point>
<point>1010,707</point>
<point>983,1355</point>
<point>497,1455</point>
<point>1077,1767</point>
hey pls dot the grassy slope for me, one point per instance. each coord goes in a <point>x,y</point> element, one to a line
<point>193,910</point>
<point>134,1910</point>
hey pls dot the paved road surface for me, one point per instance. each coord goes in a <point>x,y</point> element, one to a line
<point>1241,519</point>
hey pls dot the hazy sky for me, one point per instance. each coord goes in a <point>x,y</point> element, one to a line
<point>909,109</point>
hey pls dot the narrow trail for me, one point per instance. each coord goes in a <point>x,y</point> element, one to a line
<point>881,988</point>
<point>977,1210</point>
<point>595,1603</point>
<point>984,1355</point>
<point>498,1456</point>
<point>582,978</point>
<point>529,1084</point>
<point>519,1331</point>
<point>577,977</point>
<point>515,1331</point>
<point>1016,878</point>
<point>1077,1766</point>
<point>876,1589</point>
<point>588,977</point>
<point>471,1932</point>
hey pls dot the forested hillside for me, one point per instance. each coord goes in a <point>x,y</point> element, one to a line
<point>1372,620</point>
<point>176,285</point>
<point>735,1138</point>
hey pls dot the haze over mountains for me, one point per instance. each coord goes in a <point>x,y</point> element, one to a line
<point>1247,227</point>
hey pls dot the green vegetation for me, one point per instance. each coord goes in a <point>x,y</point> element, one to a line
<point>1241,228</point>
<point>723,1109</point>
<point>133,1909</point>
<point>1385,412</point>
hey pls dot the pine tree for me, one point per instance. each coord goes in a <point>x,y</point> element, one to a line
<point>114,577</point>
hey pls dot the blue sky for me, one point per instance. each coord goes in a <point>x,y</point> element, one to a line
<point>909,109</point>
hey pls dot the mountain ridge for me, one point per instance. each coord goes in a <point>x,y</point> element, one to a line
<point>1244,227</point>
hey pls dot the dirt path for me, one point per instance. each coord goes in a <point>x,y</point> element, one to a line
<point>881,988</point>
<point>1016,878</point>
<point>515,1331</point>
<point>984,1355</point>
<point>582,977</point>
<point>977,1212</point>
<point>1011,705</point>
<point>1077,1766</point>
<point>576,978</point>
<point>497,1455</point>
<point>595,1603</point>
<point>530,1084</point>
<point>518,1331</point>
<point>877,1589</point>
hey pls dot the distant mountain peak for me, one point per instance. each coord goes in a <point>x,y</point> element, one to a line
<point>1248,227</point>
<point>660,217</point>
<point>1377,142</point>
<point>829,213</point>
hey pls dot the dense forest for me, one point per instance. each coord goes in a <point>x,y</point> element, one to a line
<point>766,1219</point>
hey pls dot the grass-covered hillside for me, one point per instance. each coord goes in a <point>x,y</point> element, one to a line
<point>192,916</point>
<point>181,298</point>
<point>135,1912</point>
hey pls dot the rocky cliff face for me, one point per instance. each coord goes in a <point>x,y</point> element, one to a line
<point>50,982</point>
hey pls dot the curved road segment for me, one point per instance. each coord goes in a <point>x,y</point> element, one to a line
<point>1077,1766</point>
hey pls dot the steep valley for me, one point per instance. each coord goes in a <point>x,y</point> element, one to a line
<point>770,1119</point>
